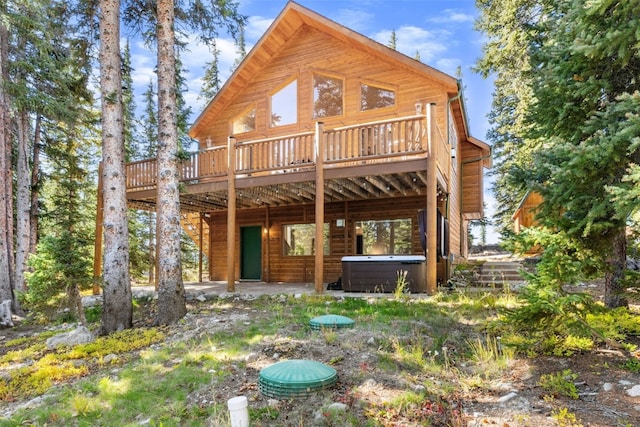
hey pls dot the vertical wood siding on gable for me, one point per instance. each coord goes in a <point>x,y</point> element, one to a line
<point>312,51</point>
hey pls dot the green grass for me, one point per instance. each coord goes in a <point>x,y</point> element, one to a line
<point>420,343</point>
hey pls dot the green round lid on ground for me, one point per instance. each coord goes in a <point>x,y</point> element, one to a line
<point>331,321</point>
<point>295,378</point>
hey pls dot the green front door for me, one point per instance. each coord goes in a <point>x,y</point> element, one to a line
<point>251,253</point>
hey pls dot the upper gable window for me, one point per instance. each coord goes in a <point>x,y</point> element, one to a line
<point>373,97</point>
<point>284,105</point>
<point>327,96</point>
<point>245,123</point>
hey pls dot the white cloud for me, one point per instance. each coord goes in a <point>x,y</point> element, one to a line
<point>411,39</point>
<point>356,20</point>
<point>452,16</point>
<point>448,65</point>
<point>256,27</point>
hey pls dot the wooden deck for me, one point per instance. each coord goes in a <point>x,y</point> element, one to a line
<point>370,160</point>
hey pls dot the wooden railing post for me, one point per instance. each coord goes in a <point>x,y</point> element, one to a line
<point>432,205</point>
<point>319,243</point>
<point>231,215</point>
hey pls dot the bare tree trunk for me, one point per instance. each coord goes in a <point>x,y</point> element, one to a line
<point>171,294</point>
<point>117,308</point>
<point>23,200</point>
<point>35,187</point>
<point>6,191</point>
<point>152,251</point>
<point>614,292</point>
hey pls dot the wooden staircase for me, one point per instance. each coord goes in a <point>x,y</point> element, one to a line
<point>190,222</point>
<point>499,274</point>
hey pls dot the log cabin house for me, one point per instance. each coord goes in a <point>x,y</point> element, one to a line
<point>525,214</point>
<point>325,144</point>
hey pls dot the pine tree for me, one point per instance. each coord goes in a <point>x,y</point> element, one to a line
<point>129,106</point>
<point>47,84</point>
<point>211,81</point>
<point>159,25</point>
<point>565,118</point>
<point>117,308</point>
<point>6,181</point>
<point>241,49</point>
<point>393,40</point>
<point>510,26</point>
<point>587,103</point>
<point>63,263</point>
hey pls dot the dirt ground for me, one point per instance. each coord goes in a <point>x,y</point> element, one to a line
<point>516,399</point>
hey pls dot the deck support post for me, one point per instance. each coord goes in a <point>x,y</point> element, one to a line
<point>319,243</point>
<point>97,249</point>
<point>432,205</point>
<point>200,244</point>
<point>231,215</point>
<point>267,236</point>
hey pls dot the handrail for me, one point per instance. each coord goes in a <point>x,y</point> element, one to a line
<point>379,122</point>
<point>257,141</point>
<point>388,140</point>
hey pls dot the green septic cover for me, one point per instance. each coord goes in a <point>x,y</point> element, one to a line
<point>333,321</point>
<point>295,378</point>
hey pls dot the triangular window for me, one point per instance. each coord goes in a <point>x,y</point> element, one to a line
<point>245,123</point>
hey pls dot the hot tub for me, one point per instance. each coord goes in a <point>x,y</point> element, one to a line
<point>379,273</point>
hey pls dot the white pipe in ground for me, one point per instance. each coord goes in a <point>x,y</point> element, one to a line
<point>238,411</point>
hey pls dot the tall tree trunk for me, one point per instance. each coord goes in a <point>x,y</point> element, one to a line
<point>23,199</point>
<point>152,250</point>
<point>35,186</point>
<point>117,309</point>
<point>6,191</point>
<point>171,293</point>
<point>614,292</point>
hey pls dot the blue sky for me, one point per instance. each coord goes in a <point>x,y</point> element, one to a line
<point>441,31</point>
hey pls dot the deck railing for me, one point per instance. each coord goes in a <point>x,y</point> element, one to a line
<point>275,154</point>
<point>388,140</point>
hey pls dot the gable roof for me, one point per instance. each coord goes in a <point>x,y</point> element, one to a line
<point>283,28</point>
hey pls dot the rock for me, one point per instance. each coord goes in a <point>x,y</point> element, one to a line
<point>5,313</point>
<point>109,358</point>
<point>338,407</point>
<point>507,397</point>
<point>634,391</point>
<point>607,386</point>
<point>201,298</point>
<point>80,335</point>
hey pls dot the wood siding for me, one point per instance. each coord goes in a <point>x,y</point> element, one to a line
<point>309,52</point>
<point>472,188</point>
<point>300,269</point>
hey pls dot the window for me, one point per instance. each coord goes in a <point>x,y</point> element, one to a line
<point>299,239</point>
<point>327,96</point>
<point>372,97</point>
<point>245,123</point>
<point>453,134</point>
<point>284,105</point>
<point>387,237</point>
